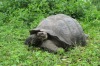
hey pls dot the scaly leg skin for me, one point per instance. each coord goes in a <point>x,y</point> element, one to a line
<point>49,46</point>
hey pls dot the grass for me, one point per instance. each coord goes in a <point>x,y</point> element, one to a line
<point>16,21</point>
<point>13,52</point>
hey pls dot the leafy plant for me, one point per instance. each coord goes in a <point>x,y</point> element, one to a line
<point>17,17</point>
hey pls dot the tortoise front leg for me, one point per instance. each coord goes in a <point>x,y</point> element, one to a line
<point>49,46</point>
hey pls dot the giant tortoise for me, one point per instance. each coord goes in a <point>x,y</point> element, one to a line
<point>57,31</point>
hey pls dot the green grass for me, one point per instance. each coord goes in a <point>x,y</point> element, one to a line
<point>13,52</point>
<point>17,17</point>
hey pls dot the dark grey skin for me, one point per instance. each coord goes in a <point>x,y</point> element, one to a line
<point>32,40</point>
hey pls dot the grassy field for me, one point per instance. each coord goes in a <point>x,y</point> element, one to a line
<point>13,52</point>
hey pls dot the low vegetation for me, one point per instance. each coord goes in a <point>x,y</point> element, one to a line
<point>17,17</point>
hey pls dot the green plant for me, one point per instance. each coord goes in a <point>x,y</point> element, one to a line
<point>17,17</point>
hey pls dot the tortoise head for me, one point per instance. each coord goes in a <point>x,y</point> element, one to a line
<point>36,39</point>
<point>31,40</point>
